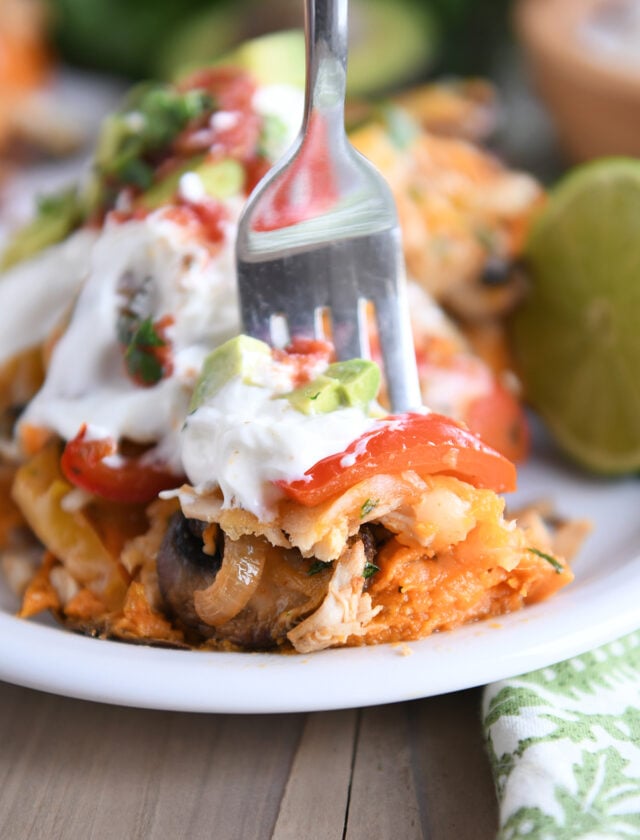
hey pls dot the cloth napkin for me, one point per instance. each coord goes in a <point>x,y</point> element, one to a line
<point>564,744</point>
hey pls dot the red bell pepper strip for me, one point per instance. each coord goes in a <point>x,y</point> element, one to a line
<point>499,419</point>
<point>427,443</point>
<point>129,480</point>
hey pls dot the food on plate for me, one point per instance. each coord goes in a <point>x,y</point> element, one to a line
<point>334,523</point>
<point>167,480</point>
<point>576,336</point>
<point>310,518</point>
<point>29,119</point>
<point>24,66</point>
<point>465,108</point>
<point>464,216</point>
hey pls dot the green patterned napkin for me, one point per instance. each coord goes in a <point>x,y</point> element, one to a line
<point>564,744</point>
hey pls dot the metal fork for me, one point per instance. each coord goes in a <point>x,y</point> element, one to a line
<point>320,231</point>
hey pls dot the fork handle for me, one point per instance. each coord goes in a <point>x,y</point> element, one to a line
<point>326,23</point>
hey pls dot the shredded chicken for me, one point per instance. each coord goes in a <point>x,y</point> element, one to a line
<point>346,610</point>
<point>458,208</point>
<point>562,536</point>
<point>235,522</point>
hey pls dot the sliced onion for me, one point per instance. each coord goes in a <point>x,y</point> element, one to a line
<point>239,576</point>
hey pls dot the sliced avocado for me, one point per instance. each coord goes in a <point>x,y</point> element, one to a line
<point>277,58</point>
<point>272,136</point>
<point>391,42</point>
<point>241,356</point>
<point>165,190</point>
<point>274,58</point>
<point>359,380</point>
<point>220,179</point>
<point>320,396</point>
<point>57,215</point>
<point>353,383</point>
<point>149,120</point>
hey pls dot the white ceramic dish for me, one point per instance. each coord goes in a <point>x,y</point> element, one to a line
<point>601,605</point>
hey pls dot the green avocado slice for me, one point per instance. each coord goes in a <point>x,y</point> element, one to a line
<point>240,356</point>
<point>353,383</point>
<point>221,179</point>
<point>57,216</point>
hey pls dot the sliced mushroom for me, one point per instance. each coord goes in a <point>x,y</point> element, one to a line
<point>184,568</point>
<point>200,590</point>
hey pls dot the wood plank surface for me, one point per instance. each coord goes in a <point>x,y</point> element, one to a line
<point>456,792</point>
<point>384,801</point>
<point>317,794</point>
<point>73,770</point>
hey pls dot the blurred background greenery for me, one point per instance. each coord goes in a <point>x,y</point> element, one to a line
<point>392,41</point>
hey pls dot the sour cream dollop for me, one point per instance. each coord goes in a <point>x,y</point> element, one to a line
<point>36,294</point>
<point>169,272</point>
<point>246,437</point>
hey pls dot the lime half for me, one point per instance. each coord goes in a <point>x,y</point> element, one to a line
<point>577,336</point>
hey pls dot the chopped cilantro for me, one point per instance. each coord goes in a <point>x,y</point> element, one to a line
<point>552,560</point>
<point>141,340</point>
<point>369,570</point>
<point>137,173</point>
<point>147,336</point>
<point>150,119</point>
<point>316,567</point>
<point>368,506</point>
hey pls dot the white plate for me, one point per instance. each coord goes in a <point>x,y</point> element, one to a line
<point>601,605</point>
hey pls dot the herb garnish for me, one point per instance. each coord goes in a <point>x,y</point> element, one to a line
<point>147,354</point>
<point>369,570</point>
<point>552,560</point>
<point>368,506</point>
<point>151,118</point>
<point>316,567</point>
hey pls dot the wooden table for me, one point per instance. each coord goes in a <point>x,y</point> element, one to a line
<point>74,770</point>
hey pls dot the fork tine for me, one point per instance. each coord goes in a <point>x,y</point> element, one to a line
<point>292,297</point>
<point>348,323</point>
<point>398,352</point>
<point>349,332</point>
<point>302,321</point>
<point>255,311</point>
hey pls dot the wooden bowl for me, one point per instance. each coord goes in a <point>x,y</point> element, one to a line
<point>593,98</point>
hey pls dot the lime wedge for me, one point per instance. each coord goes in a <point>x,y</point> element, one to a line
<point>577,336</point>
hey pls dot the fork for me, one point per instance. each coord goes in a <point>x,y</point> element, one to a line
<point>319,235</point>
